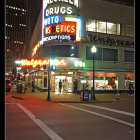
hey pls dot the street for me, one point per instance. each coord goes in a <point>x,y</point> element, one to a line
<point>30,117</point>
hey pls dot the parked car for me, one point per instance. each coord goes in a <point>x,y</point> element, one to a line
<point>8,85</point>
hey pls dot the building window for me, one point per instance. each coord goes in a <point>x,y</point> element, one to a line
<point>101,26</point>
<point>91,25</point>
<point>111,28</point>
<point>110,54</point>
<point>128,56</point>
<point>129,30</point>
<point>89,54</point>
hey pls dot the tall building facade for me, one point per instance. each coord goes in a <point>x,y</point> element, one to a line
<point>68,30</point>
<point>16,24</point>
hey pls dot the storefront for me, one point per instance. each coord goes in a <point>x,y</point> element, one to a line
<point>103,81</point>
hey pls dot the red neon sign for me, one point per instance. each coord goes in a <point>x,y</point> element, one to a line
<point>64,27</point>
<point>36,47</point>
<point>39,62</point>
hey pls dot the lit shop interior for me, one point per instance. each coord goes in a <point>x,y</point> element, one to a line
<point>103,81</point>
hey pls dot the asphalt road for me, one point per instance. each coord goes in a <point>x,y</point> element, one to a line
<point>31,119</point>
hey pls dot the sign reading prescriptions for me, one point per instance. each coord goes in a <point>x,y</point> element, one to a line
<point>55,25</point>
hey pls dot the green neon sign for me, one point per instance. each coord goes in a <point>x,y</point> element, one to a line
<point>79,64</point>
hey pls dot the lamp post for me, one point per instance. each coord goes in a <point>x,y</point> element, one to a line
<point>51,67</point>
<point>93,50</point>
<point>48,98</point>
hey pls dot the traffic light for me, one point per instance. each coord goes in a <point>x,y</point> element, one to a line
<point>53,67</point>
<point>53,63</point>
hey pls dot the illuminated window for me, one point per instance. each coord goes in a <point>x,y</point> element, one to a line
<point>111,28</point>
<point>101,26</point>
<point>118,29</point>
<point>91,25</point>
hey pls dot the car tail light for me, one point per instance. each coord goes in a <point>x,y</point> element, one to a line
<point>9,84</point>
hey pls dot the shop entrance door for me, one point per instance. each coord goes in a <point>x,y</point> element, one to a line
<point>68,84</point>
<point>57,79</point>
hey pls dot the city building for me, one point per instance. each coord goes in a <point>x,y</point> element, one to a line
<point>16,23</point>
<point>67,30</point>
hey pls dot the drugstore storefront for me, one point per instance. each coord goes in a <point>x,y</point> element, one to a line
<point>69,69</point>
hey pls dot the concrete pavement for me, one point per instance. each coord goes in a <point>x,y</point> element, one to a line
<point>70,97</point>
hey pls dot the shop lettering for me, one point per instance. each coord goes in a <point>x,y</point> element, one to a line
<point>55,19</point>
<point>39,62</point>
<point>61,28</point>
<point>57,37</point>
<point>79,64</point>
<point>72,2</point>
<point>58,10</point>
<point>109,41</point>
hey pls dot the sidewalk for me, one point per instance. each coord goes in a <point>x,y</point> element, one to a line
<point>70,97</point>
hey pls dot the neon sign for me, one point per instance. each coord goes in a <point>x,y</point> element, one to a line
<point>57,37</point>
<point>58,10</point>
<point>78,27</point>
<point>55,19</point>
<point>36,48</point>
<point>65,27</point>
<point>39,62</point>
<point>79,64</point>
<point>54,23</point>
<point>72,2</point>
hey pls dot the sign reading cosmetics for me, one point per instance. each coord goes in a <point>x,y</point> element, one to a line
<point>59,20</point>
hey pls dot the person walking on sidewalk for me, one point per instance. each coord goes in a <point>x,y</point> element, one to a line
<point>130,88</point>
<point>33,87</point>
<point>60,86</point>
<point>75,86</point>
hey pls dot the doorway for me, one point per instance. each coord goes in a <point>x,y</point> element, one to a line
<point>68,84</point>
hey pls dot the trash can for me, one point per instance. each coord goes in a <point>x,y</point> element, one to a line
<point>23,88</point>
<point>84,95</point>
<point>19,88</point>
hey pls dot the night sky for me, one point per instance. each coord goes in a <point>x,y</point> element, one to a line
<point>35,7</point>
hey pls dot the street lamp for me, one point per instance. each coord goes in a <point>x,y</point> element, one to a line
<point>93,50</point>
<point>49,98</point>
<point>51,67</point>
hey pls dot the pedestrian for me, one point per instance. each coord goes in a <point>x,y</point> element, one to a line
<point>130,88</point>
<point>75,86</point>
<point>63,85</point>
<point>66,85</point>
<point>60,86</point>
<point>33,87</point>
